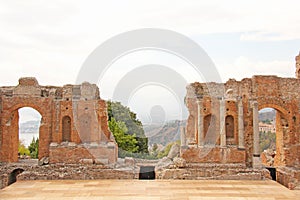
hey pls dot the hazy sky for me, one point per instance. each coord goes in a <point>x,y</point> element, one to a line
<point>51,39</point>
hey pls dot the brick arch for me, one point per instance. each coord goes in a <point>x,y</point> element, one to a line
<point>282,116</point>
<point>53,103</point>
<point>229,124</point>
<point>35,106</point>
<point>66,129</point>
<point>274,106</point>
<point>10,129</point>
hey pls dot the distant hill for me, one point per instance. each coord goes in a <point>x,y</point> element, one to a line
<point>267,115</point>
<point>163,133</point>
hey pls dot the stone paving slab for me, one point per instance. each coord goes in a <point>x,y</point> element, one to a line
<point>146,189</point>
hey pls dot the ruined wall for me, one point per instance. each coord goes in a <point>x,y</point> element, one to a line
<point>70,114</point>
<point>62,171</point>
<point>281,94</point>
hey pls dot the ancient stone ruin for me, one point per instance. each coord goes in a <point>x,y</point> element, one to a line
<point>73,128</point>
<point>223,123</point>
<point>220,140</point>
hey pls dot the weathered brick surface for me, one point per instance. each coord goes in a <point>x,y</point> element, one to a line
<point>80,105</point>
<point>213,155</point>
<point>212,171</point>
<point>69,153</point>
<point>281,94</point>
<point>289,177</point>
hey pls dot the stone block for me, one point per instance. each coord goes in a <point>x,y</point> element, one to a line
<point>179,162</point>
<point>53,144</point>
<point>129,161</point>
<point>174,151</point>
<point>71,144</point>
<point>103,161</point>
<point>86,161</point>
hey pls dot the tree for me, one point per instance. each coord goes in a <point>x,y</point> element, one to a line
<point>125,141</point>
<point>34,148</point>
<point>134,126</point>
<point>22,150</point>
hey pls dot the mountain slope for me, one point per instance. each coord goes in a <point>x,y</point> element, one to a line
<point>164,133</point>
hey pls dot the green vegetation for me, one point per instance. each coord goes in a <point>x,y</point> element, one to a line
<point>127,130</point>
<point>125,141</point>
<point>22,150</point>
<point>167,149</point>
<point>129,134</point>
<point>267,121</point>
<point>34,148</point>
<point>267,140</point>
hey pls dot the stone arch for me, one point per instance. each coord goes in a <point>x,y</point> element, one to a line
<point>282,130</point>
<point>53,103</point>
<point>263,105</point>
<point>66,129</point>
<point>11,130</point>
<point>34,106</point>
<point>12,177</point>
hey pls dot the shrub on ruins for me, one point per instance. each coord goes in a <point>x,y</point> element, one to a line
<point>134,126</point>
<point>34,148</point>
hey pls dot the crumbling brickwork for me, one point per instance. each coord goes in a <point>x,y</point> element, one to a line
<point>73,115</point>
<point>281,94</point>
<point>223,123</point>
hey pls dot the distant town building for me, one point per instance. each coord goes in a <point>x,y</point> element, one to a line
<point>264,127</point>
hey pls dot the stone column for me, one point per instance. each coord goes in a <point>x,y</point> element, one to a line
<point>182,136</point>
<point>256,154</point>
<point>222,123</point>
<point>241,125</point>
<point>200,125</point>
<point>255,129</point>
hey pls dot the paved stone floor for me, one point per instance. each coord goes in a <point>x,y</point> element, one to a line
<point>140,189</point>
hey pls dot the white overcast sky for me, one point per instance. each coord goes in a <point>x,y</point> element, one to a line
<point>50,40</point>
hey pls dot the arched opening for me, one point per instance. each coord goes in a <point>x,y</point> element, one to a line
<point>12,177</point>
<point>229,122</point>
<point>28,136</point>
<point>272,124</point>
<point>230,130</point>
<point>66,129</point>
